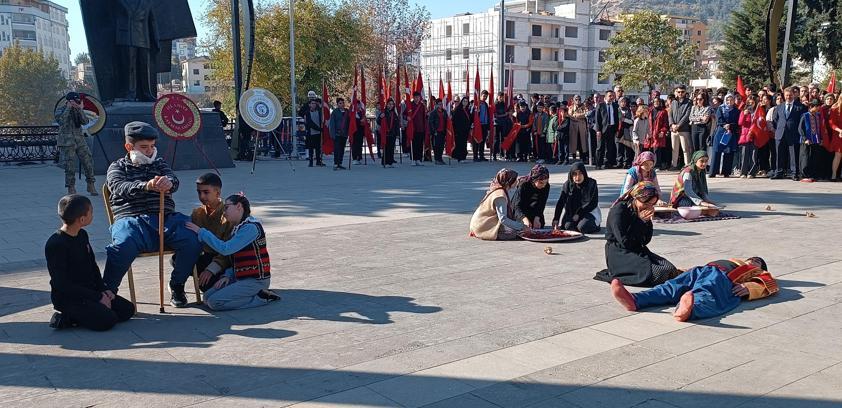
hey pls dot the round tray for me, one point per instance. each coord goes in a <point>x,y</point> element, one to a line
<point>573,235</point>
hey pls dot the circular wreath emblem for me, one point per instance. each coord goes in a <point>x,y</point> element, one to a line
<point>177,116</point>
<point>260,109</point>
<point>91,107</point>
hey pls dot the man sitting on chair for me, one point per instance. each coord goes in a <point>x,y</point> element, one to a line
<point>135,182</point>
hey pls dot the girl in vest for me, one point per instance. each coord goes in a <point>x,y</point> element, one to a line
<point>643,169</point>
<point>493,218</point>
<point>246,283</point>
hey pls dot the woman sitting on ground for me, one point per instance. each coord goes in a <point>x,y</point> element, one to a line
<point>629,230</point>
<point>246,283</point>
<point>691,186</point>
<point>643,169</point>
<point>530,199</point>
<point>492,220</point>
<point>579,200</point>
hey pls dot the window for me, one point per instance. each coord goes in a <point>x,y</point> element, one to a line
<point>465,53</point>
<point>686,32</point>
<point>510,29</point>
<point>195,71</point>
<point>571,55</point>
<point>534,77</point>
<point>206,66</point>
<point>196,83</point>
<point>466,28</point>
<point>699,32</point>
<point>601,57</point>
<point>569,77</point>
<point>207,77</point>
<point>536,30</point>
<point>23,35</point>
<point>448,54</point>
<point>555,55</point>
<point>207,89</point>
<point>536,54</point>
<point>571,32</point>
<point>604,34</point>
<point>448,31</point>
<point>555,32</point>
<point>699,43</point>
<point>510,53</point>
<point>602,81</point>
<point>553,77</point>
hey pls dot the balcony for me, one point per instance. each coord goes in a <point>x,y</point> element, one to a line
<point>543,88</point>
<point>546,40</point>
<point>545,65</point>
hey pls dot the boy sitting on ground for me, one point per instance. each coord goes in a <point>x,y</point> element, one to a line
<point>77,290</point>
<point>135,182</point>
<point>211,216</point>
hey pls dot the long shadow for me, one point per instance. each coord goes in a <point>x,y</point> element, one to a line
<point>169,378</point>
<point>202,330</point>
<point>15,300</point>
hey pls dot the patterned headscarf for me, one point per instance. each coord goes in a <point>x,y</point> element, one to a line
<point>538,172</point>
<point>504,179</point>
<point>643,191</point>
<point>641,158</point>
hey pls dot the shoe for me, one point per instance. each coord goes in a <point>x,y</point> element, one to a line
<point>807,180</point>
<point>389,166</point>
<point>310,164</point>
<point>92,189</point>
<point>268,295</point>
<point>58,321</point>
<point>355,162</point>
<point>599,167</point>
<point>71,190</point>
<point>178,298</point>
<point>320,164</point>
<point>742,177</point>
<point>795,178</point>
<point>440,162</point>
<point>749,176</point>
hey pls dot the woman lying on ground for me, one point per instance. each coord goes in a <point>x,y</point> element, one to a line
<point>530,199</point>
<point>492,220</point>
<point>629,230</point>
<point>579,200</point>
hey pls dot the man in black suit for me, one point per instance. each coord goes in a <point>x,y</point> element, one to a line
<point>606,125</point>
<point>785,121</point>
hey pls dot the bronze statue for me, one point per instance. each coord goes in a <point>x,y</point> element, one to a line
<point>130,42</point>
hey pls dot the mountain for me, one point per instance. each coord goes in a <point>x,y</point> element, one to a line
<point>715,13</point>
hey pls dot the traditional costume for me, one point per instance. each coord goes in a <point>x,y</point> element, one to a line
<point>636,174</point>
<point>627,235</point>
<point>492,220</point>
<point>580,200</point>
<point>691,186</point>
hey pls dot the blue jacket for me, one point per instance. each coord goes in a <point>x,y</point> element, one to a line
<point>786,126</point>
<point>732,117</point>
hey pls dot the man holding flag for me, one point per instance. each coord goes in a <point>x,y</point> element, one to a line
<point>483,115</point>
<point>416,127</point>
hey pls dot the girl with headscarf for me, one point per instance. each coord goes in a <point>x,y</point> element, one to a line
<point>628,231</point>
<point>691,186</point>
<point>492,220</point>
<point>461,117</point>
<point>579,200</point>
<point>725,138</point>
<point>643,169</point>
<point>530,198</point>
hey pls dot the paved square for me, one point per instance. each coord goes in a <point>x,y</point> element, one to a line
<point>387,303</point>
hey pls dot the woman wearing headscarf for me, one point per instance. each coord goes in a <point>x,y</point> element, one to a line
<point>643,169</point>
<point>492,220</point>
<point>530,198</point>
<point>691,186</point>
<point>628,231</point>
<point>579,199</point>
<point>725,138</point>
<point>461,127</point>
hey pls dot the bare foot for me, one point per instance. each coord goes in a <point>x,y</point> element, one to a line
<point>623,297</point>
<point>685,307</point>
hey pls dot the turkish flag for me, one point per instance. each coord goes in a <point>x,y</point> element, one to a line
<point>410,128</point>
<point>831,85</point>
<point>477,131</point>
<point>327,142</point>
<point>352,127</point>
<point>741,89</point>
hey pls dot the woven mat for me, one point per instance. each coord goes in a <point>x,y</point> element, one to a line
<point>675,218</point>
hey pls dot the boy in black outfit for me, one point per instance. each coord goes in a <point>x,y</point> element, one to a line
<point>78,292</point>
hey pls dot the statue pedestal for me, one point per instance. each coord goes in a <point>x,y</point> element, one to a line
<point>108,145</point>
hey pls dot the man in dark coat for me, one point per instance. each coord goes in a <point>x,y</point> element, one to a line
<point>785,122</point>
<point>607,123</point>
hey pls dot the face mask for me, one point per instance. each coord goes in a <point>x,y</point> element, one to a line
<point>139,159</point>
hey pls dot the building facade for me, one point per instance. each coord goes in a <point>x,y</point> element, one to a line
<point>184,49</point>
<point>196,75</point>
<point>37,25</point>
<point>693,31</point>
<point>551,47</point>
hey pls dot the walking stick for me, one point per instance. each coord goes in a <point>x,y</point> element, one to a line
<point>400,139</point>
<point>161,251</point>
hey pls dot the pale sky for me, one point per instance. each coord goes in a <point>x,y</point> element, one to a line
<point>437,8</point>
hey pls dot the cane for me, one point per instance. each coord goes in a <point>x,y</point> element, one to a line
<point>161,251</point>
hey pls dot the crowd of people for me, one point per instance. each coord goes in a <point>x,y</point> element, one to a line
<point>795,133</point>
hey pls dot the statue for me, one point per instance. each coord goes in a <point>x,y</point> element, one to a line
<point>130,42</point>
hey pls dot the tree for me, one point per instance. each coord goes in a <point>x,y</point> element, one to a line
<point>30,85</point>
<point>649,51</point>
<point>81,58</point>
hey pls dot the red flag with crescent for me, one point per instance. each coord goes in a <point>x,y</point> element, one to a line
<point>477,131</point>
<point>327,142</point>
<point>352,126</point>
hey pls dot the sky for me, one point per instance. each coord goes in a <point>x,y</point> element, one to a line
<point>437,8</point>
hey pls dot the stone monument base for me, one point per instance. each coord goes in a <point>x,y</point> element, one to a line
<point>108,145</point>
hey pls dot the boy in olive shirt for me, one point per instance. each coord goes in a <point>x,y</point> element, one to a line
<point>210,216</point>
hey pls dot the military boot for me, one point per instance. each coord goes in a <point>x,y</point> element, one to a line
<point>92,189</point>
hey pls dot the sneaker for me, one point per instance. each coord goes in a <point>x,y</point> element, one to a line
<point>355,162</point>
<point>58,321</point>
<point>750,176</point>
<point>539,161</point>
<point>310,164</point>
<point>807,180</point>
<point>268,295</point>
<point>178,298</point>
<point>389,166</point>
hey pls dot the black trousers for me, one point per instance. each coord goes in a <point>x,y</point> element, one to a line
<point>748,159</point>
<point>761,159</point>
<point>808,160</point>
<point>479,148</point>
<point>339,150</point>
<point>524,144</point>
<point>698,136</point>
<point>418,146</point>
<point>787,158</point>
<point>389,154</point>
<point>501,130</point>
<point>314,148</point>
<point>438,145</point>
<point>585,225</point>
<point>460,150</point>
<point>606,150</point>
<point>96,316</point>
<point>357,146</point>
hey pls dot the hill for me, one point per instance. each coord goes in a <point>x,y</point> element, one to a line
<point>714,12</point>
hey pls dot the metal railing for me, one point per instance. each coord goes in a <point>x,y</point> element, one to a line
<point>28,143</point>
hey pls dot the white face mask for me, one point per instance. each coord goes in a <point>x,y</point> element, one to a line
<point>139,159</point>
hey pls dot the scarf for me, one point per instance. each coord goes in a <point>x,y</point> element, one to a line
<point>579,195</point>
<point>643,191</point>
<point>697,177</point>
<point>637,172</point>
<point>140,159</point>
<point>504,178</point>
<point>538,172</point>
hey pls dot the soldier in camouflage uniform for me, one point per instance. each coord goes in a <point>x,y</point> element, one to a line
<point>72,145</point>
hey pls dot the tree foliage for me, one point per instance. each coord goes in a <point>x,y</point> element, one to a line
<point>330,39</point>
<point>30,85</point>
<point>649,51</point>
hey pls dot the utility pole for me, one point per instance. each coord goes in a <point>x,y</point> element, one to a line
<point>238,75</point>
<point>293,91</point>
